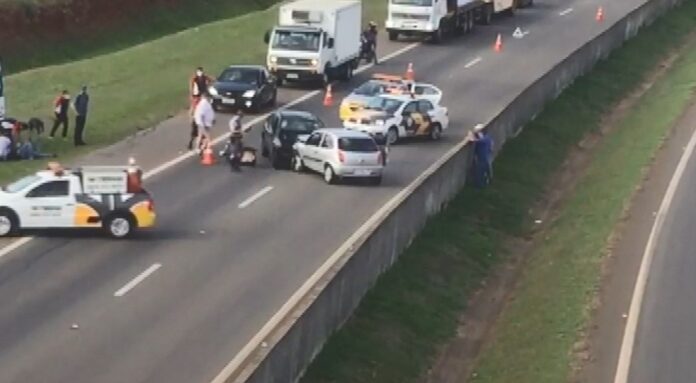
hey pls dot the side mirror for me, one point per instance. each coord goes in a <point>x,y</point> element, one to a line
<point>331,43</point>
<point>267,37</point>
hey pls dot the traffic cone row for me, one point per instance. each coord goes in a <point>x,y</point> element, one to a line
<point>207,157</point>
<point>328,98</point>
<point>600,15</point>
<point>498,47</point>
<point>410,73</point>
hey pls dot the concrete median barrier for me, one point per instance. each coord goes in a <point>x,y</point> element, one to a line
<point>292,338</point>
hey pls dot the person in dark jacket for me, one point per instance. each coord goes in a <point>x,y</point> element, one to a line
<point>370,37</point>
<point>60,110</point>
<point>81,106</point>
<point>483,156</point>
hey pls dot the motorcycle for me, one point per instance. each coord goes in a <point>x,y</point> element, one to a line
<point>233,153</point>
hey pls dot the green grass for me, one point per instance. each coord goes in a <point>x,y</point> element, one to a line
<point>140,86</point>
<point>153,22</point>
<point>394,334</point>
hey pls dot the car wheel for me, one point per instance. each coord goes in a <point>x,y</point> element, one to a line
<point>329,175</point>
<point>279,81</point>
<point>436,132</point>
<point>216,107</point>
<point>119,226</point>
<point>8,223</point>
<point>392,136</point>
<point>297,164</point>
<point>376,180</point>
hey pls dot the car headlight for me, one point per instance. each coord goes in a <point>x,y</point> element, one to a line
<point>315,62</point>
<point>379,122</point>
<point>273,59</point>
<point>249,93</point>
<point>213,91</point>
<point>276,142</point>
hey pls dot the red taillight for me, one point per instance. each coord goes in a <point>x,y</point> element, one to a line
<point>150,205</point>
<point>341,156</point>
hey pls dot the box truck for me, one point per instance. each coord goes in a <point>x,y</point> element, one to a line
<point>315,40</point>
<point>436,18</point>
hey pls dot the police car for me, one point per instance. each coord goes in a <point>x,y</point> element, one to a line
<point>382,84</point>
<point>107,197</point>
<point>396,117</point>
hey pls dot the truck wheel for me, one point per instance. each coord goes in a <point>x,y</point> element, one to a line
<point>393,35</point>
<point>348,71</point>
<point>119,225</point>
<point>326,77</point>
<point>9,224</point>
<point>436,37</point>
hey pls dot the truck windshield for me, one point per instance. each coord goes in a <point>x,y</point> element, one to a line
<point>417,3</point>
<point>21,184</point>
<point>296,40</point>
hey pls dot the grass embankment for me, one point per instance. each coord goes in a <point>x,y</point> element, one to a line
<point>137,87</point>
<point>394,334</point>
<point>146,24</point>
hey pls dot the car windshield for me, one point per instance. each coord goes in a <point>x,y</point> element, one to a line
<point>370,88</point>
<point>357,144</point>
<point>300,124</point>
<point>386,104</point>
<point>418,3</point>
<point>296,41</point>
<point>240,75</point>
<point>21,184</point>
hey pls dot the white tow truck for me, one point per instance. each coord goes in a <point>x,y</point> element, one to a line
<point>315,40</point>
<point>435,18</point>
<point>107,197</point>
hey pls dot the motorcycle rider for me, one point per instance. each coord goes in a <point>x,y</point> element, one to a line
<point>235,146</point>
<point>370,39</point>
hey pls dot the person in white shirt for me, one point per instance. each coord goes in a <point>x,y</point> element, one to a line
<point>204,116</point>
<point>5,147</point>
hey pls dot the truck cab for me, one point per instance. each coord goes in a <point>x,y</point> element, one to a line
<point>315,40</point>
<point>90,197</point>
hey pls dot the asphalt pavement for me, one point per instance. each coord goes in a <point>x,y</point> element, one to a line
<point>221,262</point>
<point>665,340</point>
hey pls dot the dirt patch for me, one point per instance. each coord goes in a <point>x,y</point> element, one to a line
<point>457,359</point>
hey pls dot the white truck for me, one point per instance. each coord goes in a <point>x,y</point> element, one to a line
<point>315,40</point>
<point>436,18</point>
<point>106,197</point>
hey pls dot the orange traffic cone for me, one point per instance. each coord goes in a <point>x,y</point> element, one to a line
<point>328,98</point>
<point>600,15</point>
<point>498,47</point>
<point>208,158</point>
<point>410,74</point>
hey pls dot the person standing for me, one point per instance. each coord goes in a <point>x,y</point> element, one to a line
<point>483,156</point>
<point>81,106</point>
<point>204,117</point>
<point>60,110</point>
<point>198,86</point>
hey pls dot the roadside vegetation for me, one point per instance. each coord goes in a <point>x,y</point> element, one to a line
<point>135,88</point>
<point>413,310</point>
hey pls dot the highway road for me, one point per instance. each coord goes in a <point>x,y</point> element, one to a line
<point>176,304</point>
<point>665,340</point>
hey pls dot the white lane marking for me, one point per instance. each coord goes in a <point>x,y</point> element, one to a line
<point>255,197</point>
<point>566,12</point>
<point>473,62</point>
<point>14,245</point>
<point>134,282</point>
<point>624,364</point>
<point>177,160</point>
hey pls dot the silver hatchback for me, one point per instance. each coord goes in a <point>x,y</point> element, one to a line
<point>339,154</point>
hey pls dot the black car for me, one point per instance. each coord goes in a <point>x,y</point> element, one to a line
<point>280,131</point>
<point>244,86</point>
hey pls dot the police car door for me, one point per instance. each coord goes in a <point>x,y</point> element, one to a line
<point>49,205</point>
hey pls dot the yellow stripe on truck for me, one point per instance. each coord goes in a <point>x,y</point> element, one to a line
<point>144,217</point>
<point>83,213</point>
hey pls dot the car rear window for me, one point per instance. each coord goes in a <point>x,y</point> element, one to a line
<point>357,144</point>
